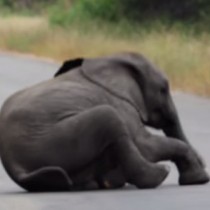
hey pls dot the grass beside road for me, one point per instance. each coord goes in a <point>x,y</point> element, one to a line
<point>185,58</point>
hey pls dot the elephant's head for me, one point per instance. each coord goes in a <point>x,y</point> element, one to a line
<point>154,85</point>
<point>156,107</point>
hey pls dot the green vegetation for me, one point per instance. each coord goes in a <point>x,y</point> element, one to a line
<point>193,14</point>
<point>63,29</point>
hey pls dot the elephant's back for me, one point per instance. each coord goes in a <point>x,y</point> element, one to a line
<point>51,100</point>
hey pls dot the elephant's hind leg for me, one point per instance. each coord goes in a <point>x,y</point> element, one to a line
<point>85,136</point>
<point>46,179</point>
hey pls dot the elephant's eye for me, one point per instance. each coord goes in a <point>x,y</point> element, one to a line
<point>163,90</point>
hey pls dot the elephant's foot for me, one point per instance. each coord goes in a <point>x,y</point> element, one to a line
<point>194,177</point>
<point>198,157</point>
<point>191,170</point>
<point>51,178</point>
<point>151,178</point>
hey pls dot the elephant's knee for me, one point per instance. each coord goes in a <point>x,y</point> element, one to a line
<point>110,122</point>
<point>108,114</point>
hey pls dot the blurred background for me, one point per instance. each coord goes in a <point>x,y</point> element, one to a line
<point>174,34</point>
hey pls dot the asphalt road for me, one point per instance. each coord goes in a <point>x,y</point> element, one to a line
<point>18,72</point>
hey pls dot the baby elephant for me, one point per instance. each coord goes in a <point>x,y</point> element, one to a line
<point>85,129</point>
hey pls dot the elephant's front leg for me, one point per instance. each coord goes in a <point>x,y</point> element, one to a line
<point>175,131</point>
<point>158,148</point>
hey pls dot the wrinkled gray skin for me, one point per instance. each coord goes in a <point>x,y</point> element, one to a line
<point>85,129</point>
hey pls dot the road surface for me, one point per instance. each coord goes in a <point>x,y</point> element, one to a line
<point>19,72</point>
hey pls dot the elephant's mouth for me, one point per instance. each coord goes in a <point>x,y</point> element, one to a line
<point>158,119</point>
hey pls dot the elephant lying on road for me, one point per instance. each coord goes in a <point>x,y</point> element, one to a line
<point>85,129</point>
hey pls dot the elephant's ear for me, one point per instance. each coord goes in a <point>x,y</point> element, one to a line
<point>141,70</point>
<point>69,65</point>
<point>108,70</point>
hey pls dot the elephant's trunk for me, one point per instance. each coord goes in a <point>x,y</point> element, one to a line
<point>174,128</point>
